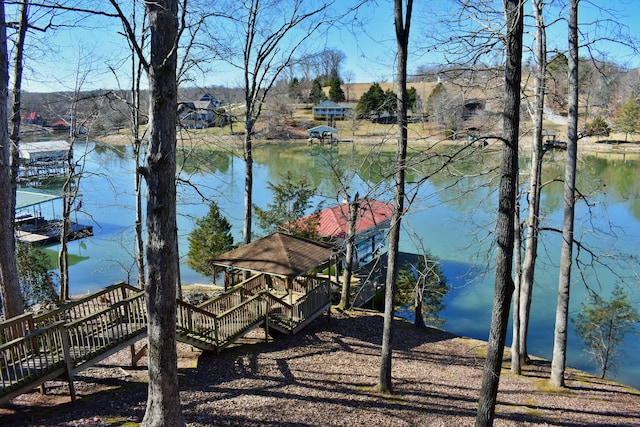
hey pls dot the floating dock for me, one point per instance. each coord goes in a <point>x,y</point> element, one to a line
<point>37,230</point>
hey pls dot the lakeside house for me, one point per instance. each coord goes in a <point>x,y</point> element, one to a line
<point>328,110</point>
<point>199,114</point>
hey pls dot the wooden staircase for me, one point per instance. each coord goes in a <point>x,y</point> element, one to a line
<point>75,336</point>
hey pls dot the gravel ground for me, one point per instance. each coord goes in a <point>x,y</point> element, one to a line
<point>325,376</point>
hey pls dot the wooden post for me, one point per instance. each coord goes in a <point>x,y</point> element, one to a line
<point>64,335</point>
<point>216,326</point>
<point>267,308</point>
<point>290,288</point>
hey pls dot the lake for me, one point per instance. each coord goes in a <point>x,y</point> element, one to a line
<point>452,215</point>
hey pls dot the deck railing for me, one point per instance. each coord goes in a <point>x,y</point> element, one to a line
<point>289,316</point>
<point>82,332</point>
<point>87,305</point>
<point>313,301</point>
<point>220,329</point>
<point>196,321</point>
<point>238,320</point>
<point>300,285</point>
<point>106,328</point>
<point>33,356</point>
<point>255,284</point>
<point>16,327</point>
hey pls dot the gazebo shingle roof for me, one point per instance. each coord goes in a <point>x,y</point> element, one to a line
<point>278,254</point>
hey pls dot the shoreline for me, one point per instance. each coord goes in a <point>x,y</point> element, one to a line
<point>230,142</point>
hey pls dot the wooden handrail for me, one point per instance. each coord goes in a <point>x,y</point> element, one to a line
<point>67,311</point>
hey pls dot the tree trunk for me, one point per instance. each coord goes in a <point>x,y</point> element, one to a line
<point>16,118</point>
<point>516,366</point>
<point>535,178</point>
<point>348,269</point>
<point>248,182</point>
<point>402,25</point>
<point>12,304</point>
<point>566,257</point>
<point>506,207</point>
<point>163,401</point>
<point>136,73</point>
<point>63,253</point>
<point>418,321</point>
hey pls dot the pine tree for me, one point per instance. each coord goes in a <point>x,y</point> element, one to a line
<point>210,237</point>
<point>291,201</point>
<point>371,101</point>
<point>317,94</point>
<point>336,94</point>
<point>629,118</point>
<point>34,272</point>
<point>598,127</point>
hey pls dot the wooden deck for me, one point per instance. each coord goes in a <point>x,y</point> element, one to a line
<point>36,349</point>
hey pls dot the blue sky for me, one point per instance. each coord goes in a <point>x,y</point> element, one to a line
<point>368,42</point>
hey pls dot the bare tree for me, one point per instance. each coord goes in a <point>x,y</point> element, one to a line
<point>159,173</point>
<point>71,184</point>
<point>12,304</point>
<point>506,207</point>
<point>132,99</point>
<point>16,117</point>
<point>522,302</point>
<point>402,19</point>
<point>566,257</point>
<point>270,39</point>
<point>345,294</point>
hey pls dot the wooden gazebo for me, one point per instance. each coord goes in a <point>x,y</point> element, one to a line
<point>286,268</point>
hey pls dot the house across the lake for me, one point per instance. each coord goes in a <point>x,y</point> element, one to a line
<point>199,114</point>
<point>328,110</point>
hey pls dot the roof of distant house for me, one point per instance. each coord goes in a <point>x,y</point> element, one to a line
<point>330,104</point>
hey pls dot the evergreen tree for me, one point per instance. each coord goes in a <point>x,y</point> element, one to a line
<point>291,201</point>
<point>602,326</point>
<point>598,127</point>
<point>434,99</point>
<point>336,94</point>
<point>210,237</point>
<point>412,97</point>
<point>371,101</point>
<point>629,118</point>
<point>293,87</point>
<point>422,289</point>
<point>390,102</point>
<point>317,94</point>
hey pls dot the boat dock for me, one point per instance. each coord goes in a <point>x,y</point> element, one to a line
<point>39,231</point>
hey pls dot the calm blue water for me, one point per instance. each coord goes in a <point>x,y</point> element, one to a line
<point>451,217</point>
